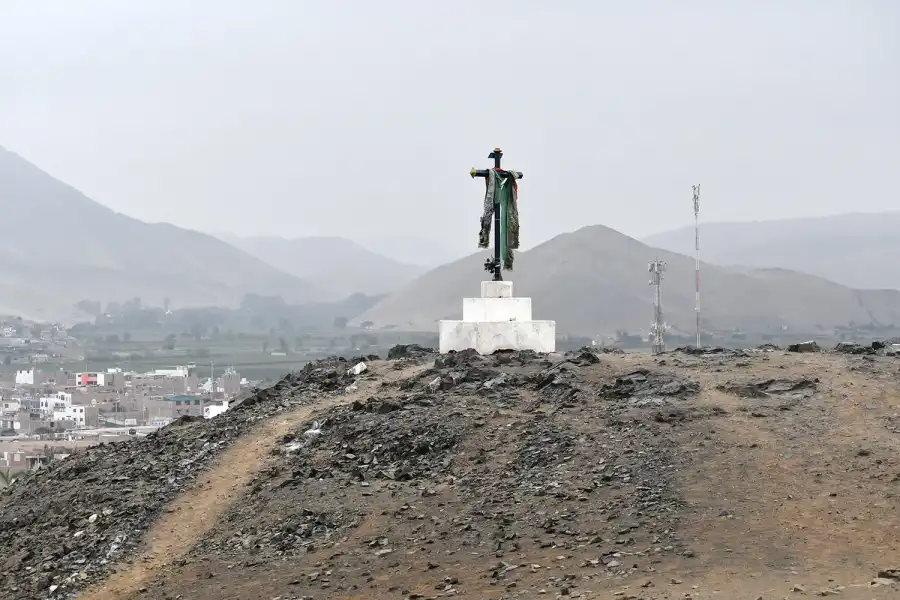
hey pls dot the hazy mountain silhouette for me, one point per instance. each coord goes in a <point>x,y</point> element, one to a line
<point>595,281</point>
<point>858,250</point>
<point>59,247</point>
<point>336,266</point>
<point>409,249</point>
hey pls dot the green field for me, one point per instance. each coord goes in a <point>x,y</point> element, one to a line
<point>251,355</point>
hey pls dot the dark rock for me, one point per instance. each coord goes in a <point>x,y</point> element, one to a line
<point>463,358</point>
<point>643,383</point>
<point>804,347</point>
<point>584,356</point>
<point>706,350</point>
<point>513,357</point>
<point>798,388</point>
<point>853,348</point>
<point>409,351</point>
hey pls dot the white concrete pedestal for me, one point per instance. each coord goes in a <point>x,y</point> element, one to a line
<point>497,321</point>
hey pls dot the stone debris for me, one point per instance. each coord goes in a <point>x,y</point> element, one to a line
<point>767,348</point>
<point>410,351</point>
<point>876,348</point>
<point>499,459</point>
<point>584,356</point>
<point>357,369</point>
<point>590,355</point>
<point>810,346</point>
<point>710,351</point>
<point>853,348</point>
<point>768,388</point>
<point>773,394</point>
<point>642,384</point>
<point>530,475</point>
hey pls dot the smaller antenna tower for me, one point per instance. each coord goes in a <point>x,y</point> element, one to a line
<point>658,327</point>
<point>696,189</point>
<point>697,264</point>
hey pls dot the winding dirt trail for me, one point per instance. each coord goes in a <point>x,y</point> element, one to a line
<point>196,510</point>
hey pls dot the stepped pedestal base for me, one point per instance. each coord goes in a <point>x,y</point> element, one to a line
<point>497,321</point>
<point>487,337</point>
<point>496,309</point>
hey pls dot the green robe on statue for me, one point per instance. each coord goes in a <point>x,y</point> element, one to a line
<point>502,191</point>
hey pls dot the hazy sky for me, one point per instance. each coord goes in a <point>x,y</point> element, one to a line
<point>359,118</point>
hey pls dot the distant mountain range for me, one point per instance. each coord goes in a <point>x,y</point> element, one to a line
<point>419,251</point>
<point>594,281</point>
<point>336,267</point>
<point>59,246</point>
<point>859,250</point>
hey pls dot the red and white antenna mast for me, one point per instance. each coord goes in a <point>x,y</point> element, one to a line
<point>696,189</point>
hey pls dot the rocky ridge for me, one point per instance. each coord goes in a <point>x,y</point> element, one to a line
<point>509,476</point>
<point>496,455</point>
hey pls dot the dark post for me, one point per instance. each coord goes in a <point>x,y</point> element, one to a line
<point>496,154</point>
<point>496,264</point>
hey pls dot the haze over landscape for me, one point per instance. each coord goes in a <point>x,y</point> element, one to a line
<point>246,350</point>
<point>223,118</point>
<point>342,176</point>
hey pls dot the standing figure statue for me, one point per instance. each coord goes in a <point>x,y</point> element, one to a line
<point>501,205</point>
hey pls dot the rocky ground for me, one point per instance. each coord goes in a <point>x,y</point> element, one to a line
<point>698,474</point>
<point>63,527</point>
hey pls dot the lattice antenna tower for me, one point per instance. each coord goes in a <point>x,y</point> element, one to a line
<point>696,189</point>
<point>658,327</point>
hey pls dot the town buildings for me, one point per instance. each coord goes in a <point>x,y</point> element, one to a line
<point>45,413</point>
<point>39,402</point>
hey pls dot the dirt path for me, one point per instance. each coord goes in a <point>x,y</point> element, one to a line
<point>194,512</point>
<point>787,497</point>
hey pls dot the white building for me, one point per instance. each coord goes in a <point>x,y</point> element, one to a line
<point>25,377</point>
<point>52,404</point>
<point>180,371</point>
<point>82,416</point>
<point>113,378</point>
<point>10,406</point>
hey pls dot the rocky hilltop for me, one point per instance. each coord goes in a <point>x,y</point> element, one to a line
<point>701,474</point>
